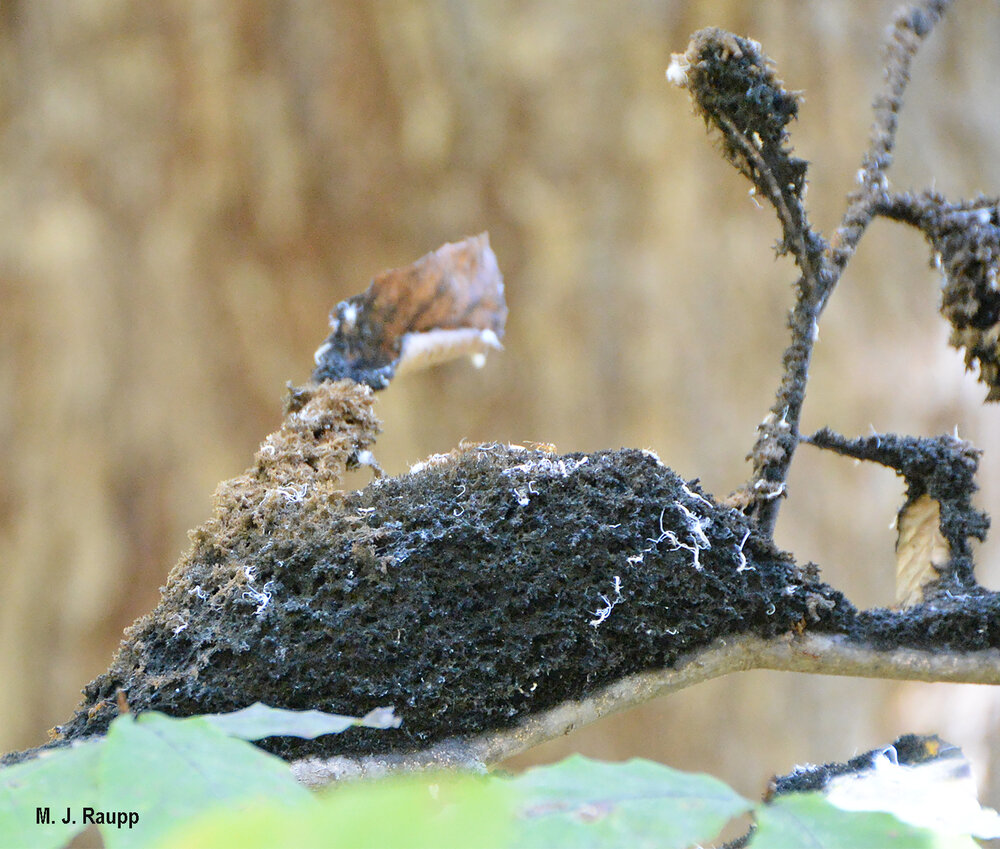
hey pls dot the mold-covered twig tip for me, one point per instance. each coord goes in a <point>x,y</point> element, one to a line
<point>734,88</point>
<point>965,244</point>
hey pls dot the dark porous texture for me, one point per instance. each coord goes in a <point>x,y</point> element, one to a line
<point>907,750</point>
<point>486,585</point>
<point>958,622</point>
<point>467,595</point>
<point>942,467</point>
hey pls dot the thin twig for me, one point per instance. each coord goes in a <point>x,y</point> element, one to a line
<point>794,221</point>
<point>778,434</point>
<point>911,26</point>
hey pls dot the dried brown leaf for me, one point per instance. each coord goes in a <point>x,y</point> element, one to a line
<point>921,549</point>
<point>448,304</point>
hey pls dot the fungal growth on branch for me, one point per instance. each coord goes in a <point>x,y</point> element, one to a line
<point>965,240</point>
<point>500,595</point>
<point>937,520</point>
<point>734,88</point>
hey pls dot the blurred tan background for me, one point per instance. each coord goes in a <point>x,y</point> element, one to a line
<point>186,188</point>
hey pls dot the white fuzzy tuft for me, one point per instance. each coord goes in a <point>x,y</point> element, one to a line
<point>677,70</point>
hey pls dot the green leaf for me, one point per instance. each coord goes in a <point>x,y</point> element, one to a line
<point>259,721</point>
<point>438,812</point>
<point>808,820</point>
<point>169,770</point>
<point>586,803</point>
<point>152,771</point>
<point>57,782</point>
